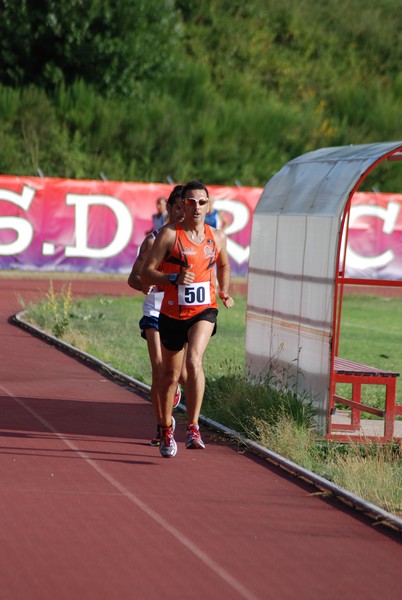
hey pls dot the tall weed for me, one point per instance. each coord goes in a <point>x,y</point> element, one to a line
<point>54,313</point>
<point>371,471</point>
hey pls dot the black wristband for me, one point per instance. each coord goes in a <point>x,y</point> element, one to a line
<point>173,277</point>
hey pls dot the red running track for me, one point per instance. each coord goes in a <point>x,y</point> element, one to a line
<point>90,511</point>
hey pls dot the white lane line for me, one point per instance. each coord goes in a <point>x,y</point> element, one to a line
<point>180,537</point>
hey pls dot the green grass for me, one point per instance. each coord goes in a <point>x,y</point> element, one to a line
<point>108,328</point>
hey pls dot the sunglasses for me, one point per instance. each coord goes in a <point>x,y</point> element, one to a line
<point>193,201</point>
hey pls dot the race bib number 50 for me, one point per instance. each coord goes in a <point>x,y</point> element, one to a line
<point>195,294</point>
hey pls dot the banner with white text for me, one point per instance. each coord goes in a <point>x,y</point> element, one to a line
<point>97,226</point>
<point>51,224</point>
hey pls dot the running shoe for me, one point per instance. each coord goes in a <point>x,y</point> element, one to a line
<point>157,439</point>
<point>167,446</point>
<point>177,397</point>
<point>193,438</point>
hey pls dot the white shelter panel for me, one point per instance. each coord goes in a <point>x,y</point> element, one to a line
<point>261,290</point>
<point>320,249</point>
<point>317,306</point>
<point>291,237</point>
<point>320,254</point>
<point>263,242</point>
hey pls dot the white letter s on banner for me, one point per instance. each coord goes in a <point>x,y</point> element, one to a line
<point>22,226</point>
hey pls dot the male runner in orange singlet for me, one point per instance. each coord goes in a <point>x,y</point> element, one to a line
<point>190,251</point>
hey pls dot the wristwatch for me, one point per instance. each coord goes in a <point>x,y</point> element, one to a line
<point>173,277</point>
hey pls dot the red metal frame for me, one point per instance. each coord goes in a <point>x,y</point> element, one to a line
<point>346,371</point>
<point>357,380</point>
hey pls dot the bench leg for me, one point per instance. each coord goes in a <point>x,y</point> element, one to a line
<point>390,409</point>
<point>356,397</point>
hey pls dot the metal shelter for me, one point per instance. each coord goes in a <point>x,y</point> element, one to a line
<point>293,277</point>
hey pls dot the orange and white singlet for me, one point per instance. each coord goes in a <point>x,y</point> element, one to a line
<point>187,301</point>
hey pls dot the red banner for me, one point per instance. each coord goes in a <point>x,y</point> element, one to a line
<point>97,226</point>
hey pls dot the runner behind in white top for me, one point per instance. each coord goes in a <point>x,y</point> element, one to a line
<point>149,323</point>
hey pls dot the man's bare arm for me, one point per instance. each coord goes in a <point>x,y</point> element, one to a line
<point>134,279</point>
<point>223,269</point>
<point>164,241</point>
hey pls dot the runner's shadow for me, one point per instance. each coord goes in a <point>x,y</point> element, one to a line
<point>30,416</point>
<point>50,453</point>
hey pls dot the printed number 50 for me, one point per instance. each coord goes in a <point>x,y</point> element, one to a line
<point>195,295</point>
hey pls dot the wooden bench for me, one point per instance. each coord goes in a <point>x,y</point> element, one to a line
<point>356,374</point>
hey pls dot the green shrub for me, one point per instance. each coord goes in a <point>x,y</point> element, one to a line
<point>241,405</point>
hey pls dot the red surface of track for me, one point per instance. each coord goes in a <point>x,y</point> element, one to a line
<point>90,511</point>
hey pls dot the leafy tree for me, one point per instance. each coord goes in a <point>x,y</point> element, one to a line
<point>223,90</point>
<point>112,44</point>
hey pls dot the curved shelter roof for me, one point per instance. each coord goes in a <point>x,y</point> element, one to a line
<point>295,245</point>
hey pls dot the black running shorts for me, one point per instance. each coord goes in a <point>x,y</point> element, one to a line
<point>173,332</point>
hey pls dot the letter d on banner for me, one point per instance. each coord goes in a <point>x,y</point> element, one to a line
<point>123,233</point>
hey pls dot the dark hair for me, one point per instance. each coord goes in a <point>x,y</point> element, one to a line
<point>175,193</point>
<point>193,185</point>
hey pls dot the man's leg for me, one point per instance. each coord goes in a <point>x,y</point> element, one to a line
<point>183,373</point>
<point>155,356</point>
<point>171,364</point>
<point>198,337</point>
<point>172,361</point>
